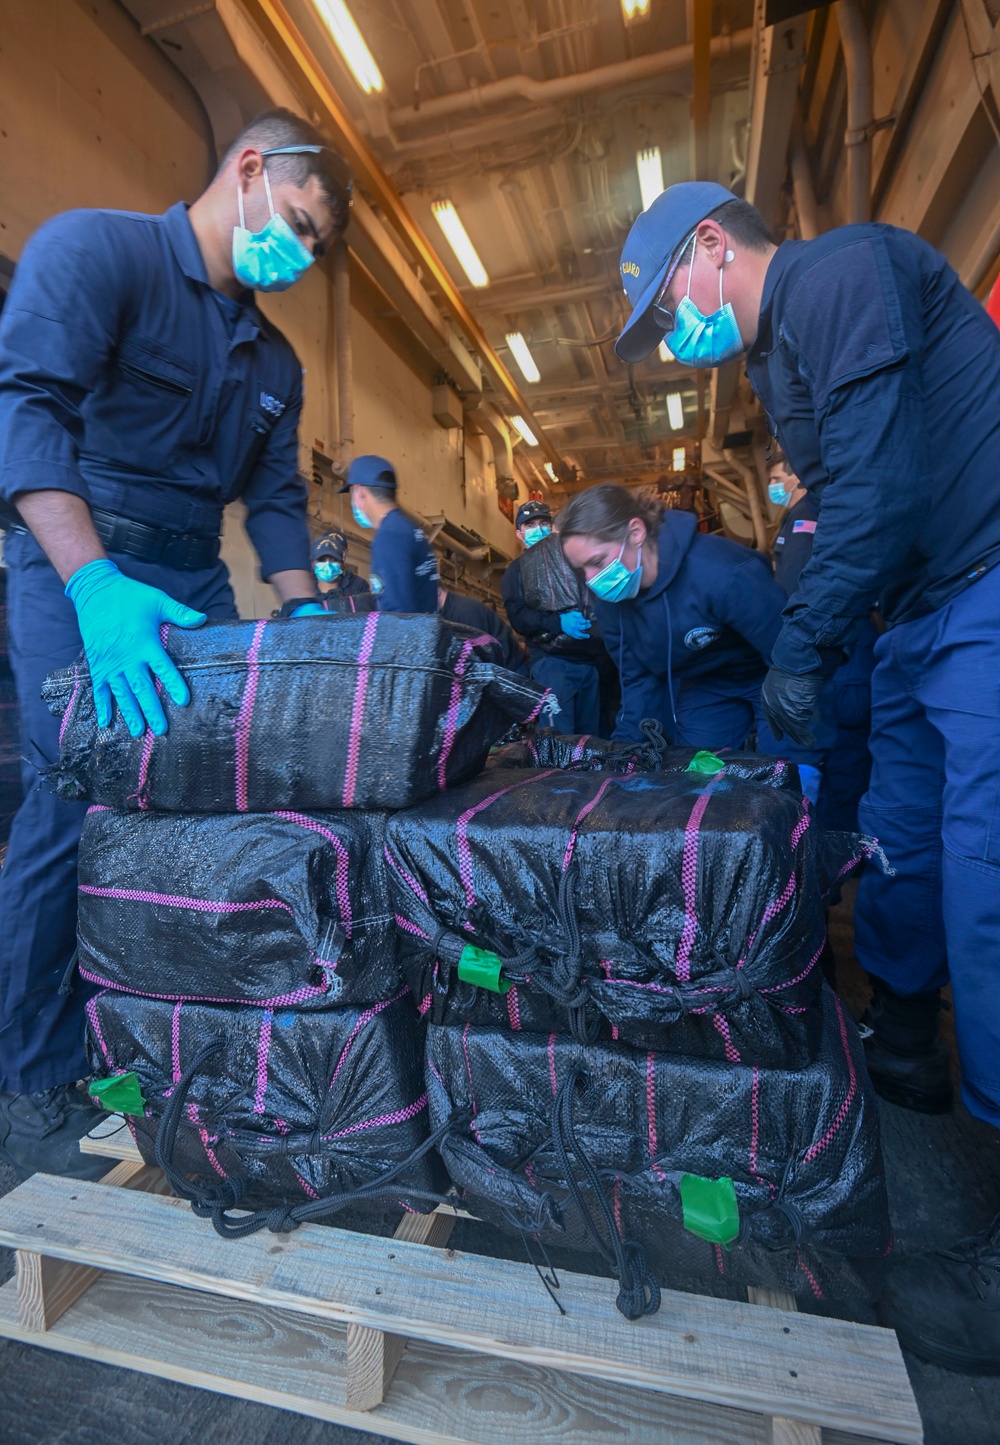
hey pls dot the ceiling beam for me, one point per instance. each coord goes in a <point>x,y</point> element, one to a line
<point>779,54</point>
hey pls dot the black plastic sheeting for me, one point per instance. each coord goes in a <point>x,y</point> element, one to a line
<point>801,1146</point>
<point>584,753</point>
<point>294,1106</point>
<point>549,582</point>
<point>672,911</point>
<point>305,713</point>
<point>277,910</point>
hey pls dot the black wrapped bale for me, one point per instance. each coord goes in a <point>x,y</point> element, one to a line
<point>292,1107</point>
<point>801,1147</point>
<point>309,714</point>
<point>273,909</point>
<point>671,911</point>
<point>584,753</point>
<point>549,582</point>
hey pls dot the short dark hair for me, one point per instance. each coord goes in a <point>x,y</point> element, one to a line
<point>605,512</point>
<point>385,495</point>
<point>744,223</point>
<point>275,128</point>
<point>778,459</point>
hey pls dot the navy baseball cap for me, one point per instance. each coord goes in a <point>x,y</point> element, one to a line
<point>331,544</point>
<point>370,471</point>
<point>532,512</point>
<point>652,253</point>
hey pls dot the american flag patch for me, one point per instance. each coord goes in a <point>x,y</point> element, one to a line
<point>803,526</point>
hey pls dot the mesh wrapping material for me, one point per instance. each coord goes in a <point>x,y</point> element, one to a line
<point>549,582</point>
<point>308,713</point>
<point>583,753</point>
<point>268,909</point>
<point>299,1106</point>
<point>672,911</point>
<point>801,1146</point>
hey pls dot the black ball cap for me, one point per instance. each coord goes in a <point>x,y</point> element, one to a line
<point>532,512</point>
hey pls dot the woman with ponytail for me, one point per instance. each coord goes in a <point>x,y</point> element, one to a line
<point>689,619</point>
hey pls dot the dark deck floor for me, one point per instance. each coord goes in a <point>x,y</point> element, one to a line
<point>944,1182</point>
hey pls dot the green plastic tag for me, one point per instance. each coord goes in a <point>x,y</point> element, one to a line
<point>121,1094</point>
<point>704,762</point>
<point>711,1210</point>
<point>479,966</point>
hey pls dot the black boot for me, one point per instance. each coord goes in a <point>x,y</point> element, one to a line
<point>908,1063</point>
<point>41,1133</point>
<point>945,1306</point>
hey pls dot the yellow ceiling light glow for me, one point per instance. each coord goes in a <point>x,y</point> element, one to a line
<point>635,10</point>
<point>680,459</point>
<point>551,472</point>
<point>664,352</point>
<point>350,42</point>
<point>522,427</point>
<point>458,239</point>
<point>523,357</point>
<point>650,169</point>
<point>675,410</point>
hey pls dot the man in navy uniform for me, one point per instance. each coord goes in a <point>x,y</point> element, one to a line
<point>471,613</point>
<point>404,574</point>
<point>334,577</point>
<point>561,652</point>
<point>140,391</point>
<point>879,374</point>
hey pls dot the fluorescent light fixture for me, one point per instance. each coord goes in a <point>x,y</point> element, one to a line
<point>650,169</point>
<point>350,42</point>
<point>664,352</point>
<point>525,430</point>
<point>635,10</point>
<point>680,459</point>
<point>550,472</point>
<point>675,410</point>
<point>458,239</point>
<point>523,356</point>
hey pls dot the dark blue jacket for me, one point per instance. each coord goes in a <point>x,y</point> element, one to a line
<point>880,376</point>
<point>403,570</point>
<point>794,543</point>
<point>348,584</point>
<point>542,630</point>
<point>471,613</point>
<point>713,611</point>
<point>128,381</point>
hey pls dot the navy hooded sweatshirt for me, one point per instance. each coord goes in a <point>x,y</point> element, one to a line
<point>714,611</point>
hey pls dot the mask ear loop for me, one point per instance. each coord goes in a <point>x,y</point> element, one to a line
<point>694,247</point>
<point>239,202</point>
<point>267,187</point>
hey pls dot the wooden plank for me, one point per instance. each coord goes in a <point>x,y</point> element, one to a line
<point>112,1139</point>
<point>827,1372</point>
<point>439,1397</point>
<point>47,1287</point>
<point>373,1355</point>
<point>775,1299</point>
<point>781,1430</point>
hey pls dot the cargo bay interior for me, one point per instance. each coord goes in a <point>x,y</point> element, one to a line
<point>482,362</point>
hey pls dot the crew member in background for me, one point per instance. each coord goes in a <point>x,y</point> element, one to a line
<point>689,619</point>
<point>404,573</point>
<point>561,652</point>
<point>333,576</point>
<point>140,391</point>
<point>470,613</point>
<point>836,771</point>
<point>879,373</point>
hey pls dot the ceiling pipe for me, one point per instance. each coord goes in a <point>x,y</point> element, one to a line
<point>749,477</point>
<point>803,190</point>
<point>565,87</point>
<point>860,115</point>
<point>344,354</point>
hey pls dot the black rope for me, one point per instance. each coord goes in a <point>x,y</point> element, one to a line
<point>638,1290</point>
<point>66,987</point>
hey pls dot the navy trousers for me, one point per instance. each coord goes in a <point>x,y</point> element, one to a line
<point>934,805</point>
<point>41,1031</point>
<point>577,687</point>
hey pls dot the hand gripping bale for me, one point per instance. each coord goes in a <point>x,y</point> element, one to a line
<point>305,714</point>
<point>274,1110</point>
<point>279,909</point>
<point>763,1176</point>
<point>674,911</point>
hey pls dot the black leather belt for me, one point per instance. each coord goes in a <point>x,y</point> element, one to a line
<point>182,550</point>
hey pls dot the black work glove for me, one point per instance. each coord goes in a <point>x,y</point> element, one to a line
<point>789,701</point>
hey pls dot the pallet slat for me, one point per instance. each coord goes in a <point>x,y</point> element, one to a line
<point>795,1367</point>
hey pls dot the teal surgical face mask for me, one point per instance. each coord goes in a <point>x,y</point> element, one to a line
<point>328,570</point>
<point>698,340</point>
<point>360,517</point>
<point>272,259</point>
<point>615,583</point>
<point>776,491</point>
<point>535,534</point>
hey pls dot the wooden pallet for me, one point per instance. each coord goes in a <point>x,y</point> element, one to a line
<point>412,1340</point>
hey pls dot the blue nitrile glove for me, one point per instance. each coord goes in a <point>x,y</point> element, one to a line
<point>310,609</point>
<point>574,624</point>
<point>119,623</point>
